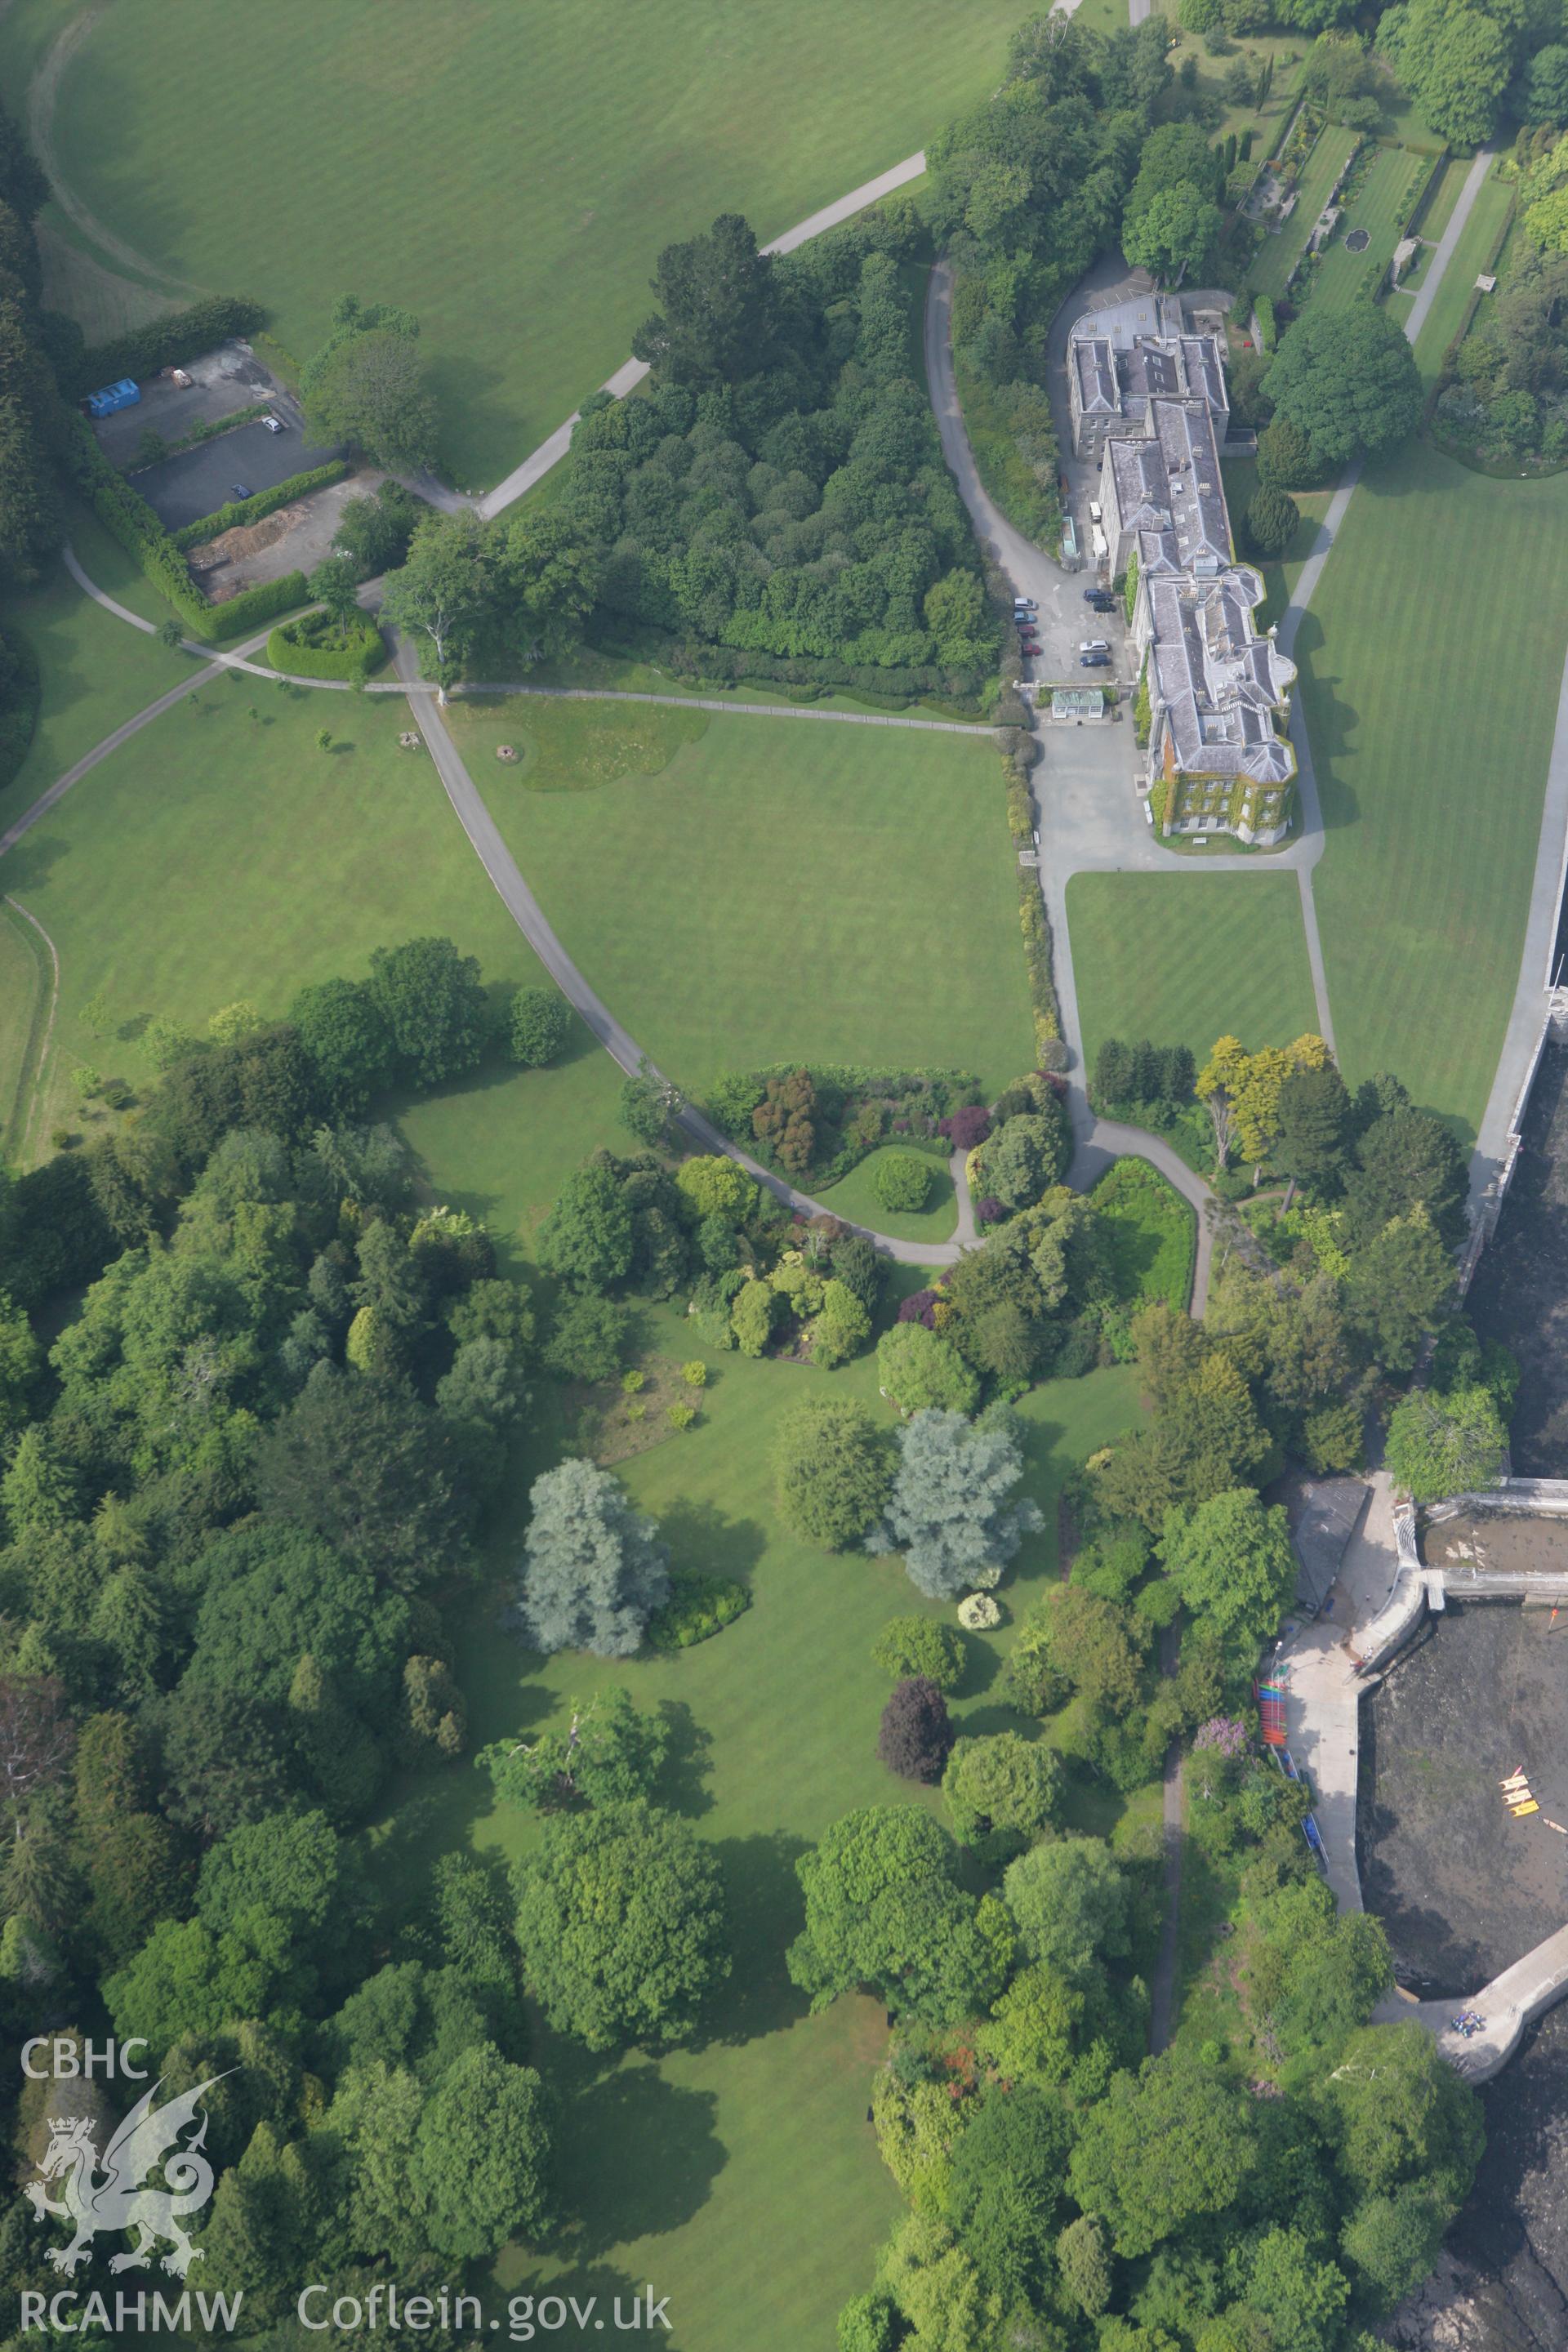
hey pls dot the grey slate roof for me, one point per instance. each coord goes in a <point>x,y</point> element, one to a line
<point>1218,680</point>
<point>1141,349</point>
<point>1096,375</point>
<point>1323,1526</point>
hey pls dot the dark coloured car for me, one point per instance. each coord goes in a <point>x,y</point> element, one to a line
<point>1094,661</point>
<point>239,489</point>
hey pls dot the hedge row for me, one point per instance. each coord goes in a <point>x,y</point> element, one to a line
<point>294,648</point>
<point>127,516</point>
<point>721,666</point>
<point>211,428</point>
<point>241,512</point>
<point>247,612</point>
<point>1423,196</point>
<point>164,342</point>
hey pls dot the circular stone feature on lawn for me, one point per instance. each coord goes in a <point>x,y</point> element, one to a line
<point>1358,240</point>
<point>506,751</point>
<point>409,740</point>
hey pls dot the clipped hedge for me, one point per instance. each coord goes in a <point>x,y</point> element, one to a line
<point>127,516</point>
<point>164,342</point>
<point>804,676</point>
<point>253,607</point>
<point>699,1607</point>
<point>239,513</point>
<point>296,646</point>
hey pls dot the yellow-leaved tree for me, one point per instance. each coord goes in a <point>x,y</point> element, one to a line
<point>1241,1092</point>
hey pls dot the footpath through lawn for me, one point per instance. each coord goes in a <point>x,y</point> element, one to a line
<point>221,855</point>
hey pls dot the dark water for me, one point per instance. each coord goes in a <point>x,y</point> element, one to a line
<point>1463,1889</point>
<point>1519,1294</point>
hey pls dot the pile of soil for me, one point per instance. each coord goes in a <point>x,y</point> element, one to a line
<point>247,539</point>
<point>1463,1889</point>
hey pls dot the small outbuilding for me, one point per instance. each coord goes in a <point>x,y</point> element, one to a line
<point>1071,705</point>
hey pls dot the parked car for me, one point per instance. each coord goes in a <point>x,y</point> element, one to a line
<point>273,423</point>
<point>1025,604</point>
<point>1098,597</point>
<point>1094,661</point>
<point>239,489</point>
<point>1095,646</point>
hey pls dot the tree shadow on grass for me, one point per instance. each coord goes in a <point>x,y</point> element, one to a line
<point>766,1911</point>
<point>638,2154</point>
<point>681,1783</point>
<point>704,1541</point>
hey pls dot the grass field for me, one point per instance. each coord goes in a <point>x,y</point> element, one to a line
<point>1184,958</point>
<point>773,889</point>
<point>1444,197</point>
<point>1432,661</point>
<point>740,2174</point>
<point>1278,254</point>
<point>1376,207</point>
<point>562,163</point>
<point>94,670</point>
<point>217,857</point>
<point>856,1200</point>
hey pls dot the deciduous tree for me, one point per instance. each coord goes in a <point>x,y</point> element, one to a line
<point>621,1925</point>
<point>1347,379</point>
<point>916,1736</point>
<point>834,1471</point>
<point>883,1908</point>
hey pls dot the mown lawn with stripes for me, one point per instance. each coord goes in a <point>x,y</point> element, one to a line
<point>743,890</point>
<point>1376,206</point>
<point>508,172</point>
<point>1277,255</point>
<point>1432,662</point>
<point>1182,958</point>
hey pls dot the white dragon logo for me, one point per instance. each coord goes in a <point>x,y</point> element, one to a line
<point>118,2201</point>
